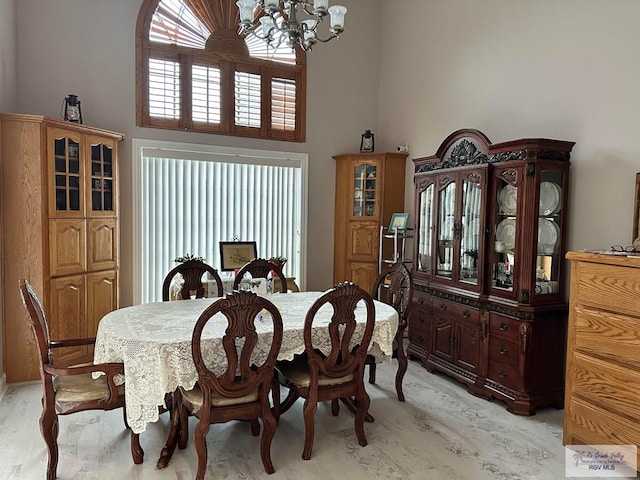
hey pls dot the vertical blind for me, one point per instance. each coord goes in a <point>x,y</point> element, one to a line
<point>187,202</point>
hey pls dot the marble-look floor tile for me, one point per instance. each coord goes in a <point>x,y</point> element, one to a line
<point>440,432</point>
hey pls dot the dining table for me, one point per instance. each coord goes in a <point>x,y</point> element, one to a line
<point>153,341</point>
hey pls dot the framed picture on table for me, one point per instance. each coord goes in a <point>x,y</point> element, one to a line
<point>398,222</point>
<point>234,255</point>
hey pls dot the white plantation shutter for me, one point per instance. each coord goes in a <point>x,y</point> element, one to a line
<point>247,99</point>
<point>283,104</point>
<point>187,200</point>
<point>205,93</point>
<point>164,88</point>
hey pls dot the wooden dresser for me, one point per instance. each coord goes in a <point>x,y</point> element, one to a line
<point>603,351</point>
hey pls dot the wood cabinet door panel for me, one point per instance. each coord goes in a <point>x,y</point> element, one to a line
<point>67,317</point>
<point>364,241</point>
<point>67,241</point>
<point>443,338</point>
<point>102,298</point>
<point>467,346</point>
<point>102,244</point>
<point>363,274</point>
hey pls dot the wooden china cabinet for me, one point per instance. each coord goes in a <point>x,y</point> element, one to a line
<point>369,189</point>
<point>489,302</point>
<point>60,232</point>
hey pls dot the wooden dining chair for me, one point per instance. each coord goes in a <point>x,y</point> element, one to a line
<point>70,389</point>
<point>260,268</point>
<point>394,286</point>
<point>240,390</point>
<point>192,272</point>
<point>320,376</point>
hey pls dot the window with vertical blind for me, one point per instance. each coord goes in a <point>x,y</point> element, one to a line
<point>188,198</point>
<point>194,72</point>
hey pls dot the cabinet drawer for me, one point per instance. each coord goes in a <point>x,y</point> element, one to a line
<point>590,425</point>
<point>419,318</point>
<point>607,335</point>
<point>610,287</point>
<point>421,299</point>
<point>504,374</point>
<point>420,338</point>
<point>600,382</point>
<point>504,327</point>
<point>454,311</point>
<point>504,351</point>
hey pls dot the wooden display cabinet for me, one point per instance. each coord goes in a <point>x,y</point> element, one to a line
<point>490,235</point>
<point>60,232</point>
<point>369,189</point>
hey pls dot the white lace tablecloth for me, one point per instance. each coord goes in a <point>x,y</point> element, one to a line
<point>153,340</point>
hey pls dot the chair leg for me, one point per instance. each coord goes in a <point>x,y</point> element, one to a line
<point>49,430</point>
<point>372,373</point>
<point>275,394</point>
<point>335,407</point>
<point>289,401</point>
<point>310,407</point>
<point>136,450</point>
<point>255,427</point>
<point>402,368</point>
<point>351,405</point>
<point>174,436</point>
<point>269,429</point>
<point>200,441</point>
<point>362,403</point>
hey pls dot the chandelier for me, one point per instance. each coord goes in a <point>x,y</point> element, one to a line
<point>297,32</point>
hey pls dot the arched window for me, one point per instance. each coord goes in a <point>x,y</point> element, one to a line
<point>194,72</point>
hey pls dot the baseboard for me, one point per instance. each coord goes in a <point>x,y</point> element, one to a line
<point>3,385</point>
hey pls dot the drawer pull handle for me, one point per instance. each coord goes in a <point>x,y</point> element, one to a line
<point>443,306</point>
<point>503,326</point>
<point>420,300</point>
<point>466,314</point>
<point>502,374</point>
<point>502,350</point>
<point>420,338</point>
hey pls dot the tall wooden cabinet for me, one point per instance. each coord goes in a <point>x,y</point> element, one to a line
<point>490,232</point>
<point>60,232</point>
<point>603,351</point>
<point>369,189</point>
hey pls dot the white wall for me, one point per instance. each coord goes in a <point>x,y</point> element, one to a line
<point>546,68</point>
<point>86,47</point>
<point>8,103</point>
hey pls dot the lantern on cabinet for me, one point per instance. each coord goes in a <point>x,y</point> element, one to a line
<point>72,111</point>
<point>366,141</point>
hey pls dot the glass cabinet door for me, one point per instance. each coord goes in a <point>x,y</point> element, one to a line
<point>364,190</point>
<point>549,241</point>
<point>471,227</point>
<point>102,178</point>
<point>503,243</point>
<point>425,225</point>
<point>446,229</point>
<point>67,175</point>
